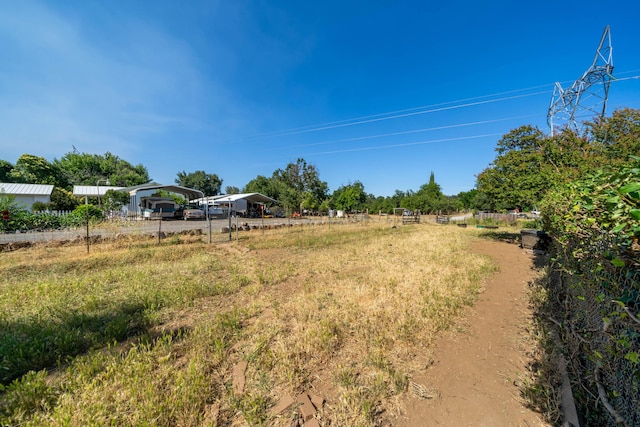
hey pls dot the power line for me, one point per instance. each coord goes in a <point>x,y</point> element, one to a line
<point>349,150</point>
<point>433,108</point>
<point>357,120</point>
<point>406,144</point>
<point>397,116</point>
<point>384,135</point>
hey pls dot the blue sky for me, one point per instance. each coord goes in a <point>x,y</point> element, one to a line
<point>381,92</point>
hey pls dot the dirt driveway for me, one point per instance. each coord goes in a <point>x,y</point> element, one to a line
<point>476,363</point>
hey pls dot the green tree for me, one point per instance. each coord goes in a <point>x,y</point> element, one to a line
<point>616,137</point>
<point>519,175</point>
<point>63,200</point>
<point>529,164</point>
<point>263,185</point>
<point>350,197</point>
<point>30,169</point>
<point>297,186</point>
<point>5,171</point>
<point>429,198</point>
<point>208,183</point>
<point>229,189</point>
<point>87,169</point>
<point>300,181</point>
<point>468,198</point>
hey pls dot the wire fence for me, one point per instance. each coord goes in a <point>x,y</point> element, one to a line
<point>214,231</point>
<point>599,295</point>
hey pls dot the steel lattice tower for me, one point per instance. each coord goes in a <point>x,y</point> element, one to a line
<point>588,95</point>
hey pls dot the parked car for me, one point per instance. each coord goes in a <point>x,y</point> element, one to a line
<point>193,212</point>
<point>216,212</point>
<point>179,212</point>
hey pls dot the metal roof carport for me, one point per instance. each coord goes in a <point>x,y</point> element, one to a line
<point>87,191</point>
<point>189,193</point>
<point>249,197</point>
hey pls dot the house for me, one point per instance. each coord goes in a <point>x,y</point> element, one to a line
<point>27,194</point>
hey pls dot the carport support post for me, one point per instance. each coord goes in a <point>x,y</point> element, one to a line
<point>229,214</point>
<point>160,226</point>
<point>235,208</point>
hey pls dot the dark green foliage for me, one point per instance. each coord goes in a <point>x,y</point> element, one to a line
<point>349,197</point>
<point>529,164</point>
<point>30,169</point>
<point>40,206</point>
<point>26,395</point>
<point>298,186</point>
<point>35,344</point>
<point>5,170</point>
<point>79,214</point>
<point>607,201</point>
<point>87,169</point>
<point>595,224</point>
<point>517,177</point>
<point>63,200</point>
<point>208,183</point>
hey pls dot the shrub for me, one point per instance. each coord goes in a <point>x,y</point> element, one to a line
<point>39,206</point>
<point>79,214</point>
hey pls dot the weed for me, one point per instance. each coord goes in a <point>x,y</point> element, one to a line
<point>24,396</point>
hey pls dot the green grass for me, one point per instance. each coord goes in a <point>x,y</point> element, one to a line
<point>139,333</point>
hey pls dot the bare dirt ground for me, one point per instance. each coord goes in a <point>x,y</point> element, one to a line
<point>470,377</point>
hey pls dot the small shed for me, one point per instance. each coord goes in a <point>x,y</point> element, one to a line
<point>27,194</point>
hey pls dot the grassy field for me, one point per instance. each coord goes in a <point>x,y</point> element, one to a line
<point>141,333</point>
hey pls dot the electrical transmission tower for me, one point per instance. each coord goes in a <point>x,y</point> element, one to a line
<point>588,95</point>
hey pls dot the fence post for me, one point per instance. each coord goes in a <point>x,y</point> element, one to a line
<point>87,212</point>
<point>160,227</point>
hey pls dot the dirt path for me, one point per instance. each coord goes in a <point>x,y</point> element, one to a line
<point>475,365</point>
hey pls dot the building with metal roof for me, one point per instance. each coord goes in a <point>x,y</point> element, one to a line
<point>27,194</point>
<point>93,190</point>
<point>245,204</point>
<point>138,193</point>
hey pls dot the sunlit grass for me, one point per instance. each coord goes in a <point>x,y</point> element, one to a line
<point>140,333</point>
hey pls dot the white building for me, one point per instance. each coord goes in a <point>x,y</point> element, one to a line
<point>27,194</point>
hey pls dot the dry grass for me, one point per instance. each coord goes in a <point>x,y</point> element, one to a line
<point>346,312</point>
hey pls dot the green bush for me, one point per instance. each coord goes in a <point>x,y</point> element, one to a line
<point>23,220</point>
<point>607,201</point>
<point>79,214</point>
<point>595,271</point>
<point>39,207</point>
